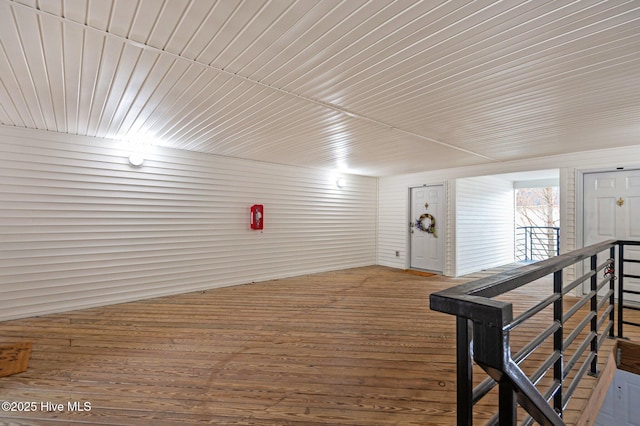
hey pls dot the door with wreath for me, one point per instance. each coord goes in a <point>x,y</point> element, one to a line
<point>426,228</point>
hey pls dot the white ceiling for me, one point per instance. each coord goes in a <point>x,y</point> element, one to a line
<point>374,87</point>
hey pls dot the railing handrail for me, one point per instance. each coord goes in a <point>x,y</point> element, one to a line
<point>489,322</point>
<point>507,281</point>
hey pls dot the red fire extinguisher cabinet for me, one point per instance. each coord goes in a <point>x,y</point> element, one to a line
<point>257,216</point>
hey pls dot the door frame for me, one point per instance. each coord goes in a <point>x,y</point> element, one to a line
<point>443,224</point>
<point>579,208</point>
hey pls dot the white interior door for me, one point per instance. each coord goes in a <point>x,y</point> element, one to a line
<point>427,248</point>
<point>612,211</point>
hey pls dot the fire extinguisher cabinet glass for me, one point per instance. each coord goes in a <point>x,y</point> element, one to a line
<point>257,216</point>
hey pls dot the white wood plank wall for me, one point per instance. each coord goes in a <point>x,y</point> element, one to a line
<point>484,223</point>
<point>569,226</point>
<point>80,227</point>
<point>393,224</point>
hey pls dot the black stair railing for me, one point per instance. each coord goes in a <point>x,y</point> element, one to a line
<point>577,332</point>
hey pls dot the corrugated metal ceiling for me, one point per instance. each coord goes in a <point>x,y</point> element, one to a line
<point>370,87</point>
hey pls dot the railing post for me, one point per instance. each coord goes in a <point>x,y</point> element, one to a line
<point>492,352</point>
<point>594,320</point>
<point>612,298</point>
<point>620,288</point>
<point>507,407</point>
<point>558,340</point>
<point>464,380</point>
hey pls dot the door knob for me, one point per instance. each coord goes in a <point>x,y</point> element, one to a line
<point>620,202</point>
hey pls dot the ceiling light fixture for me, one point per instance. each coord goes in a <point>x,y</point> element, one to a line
<point>136,159</point>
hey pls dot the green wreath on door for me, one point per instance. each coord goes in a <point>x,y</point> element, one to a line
<point>429,229</point>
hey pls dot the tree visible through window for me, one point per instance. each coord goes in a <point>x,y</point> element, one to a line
<point>537,223</point>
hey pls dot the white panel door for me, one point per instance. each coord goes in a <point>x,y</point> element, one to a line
<point>427,245</point>
<point>612,211</point>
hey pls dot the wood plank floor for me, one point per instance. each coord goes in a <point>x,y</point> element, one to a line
<point>352,347</point>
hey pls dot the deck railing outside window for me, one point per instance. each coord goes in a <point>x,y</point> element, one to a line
<point>572,335</point>
<point>537,242</point>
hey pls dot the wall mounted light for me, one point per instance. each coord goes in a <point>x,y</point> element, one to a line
<point>340,183</point>
<point>136,159</point>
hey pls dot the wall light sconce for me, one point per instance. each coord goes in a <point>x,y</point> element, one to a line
<point>340,183</point>
<point>136,159</point>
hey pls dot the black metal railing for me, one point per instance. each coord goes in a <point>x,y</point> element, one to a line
<point>624,292</point>
<point>484,326</point>
<point>537,242</point>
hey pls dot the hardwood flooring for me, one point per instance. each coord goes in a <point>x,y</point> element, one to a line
<point>351,347</point>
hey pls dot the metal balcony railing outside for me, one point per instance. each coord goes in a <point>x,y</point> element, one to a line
<point>537,242</point>
<point>485,324</point>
